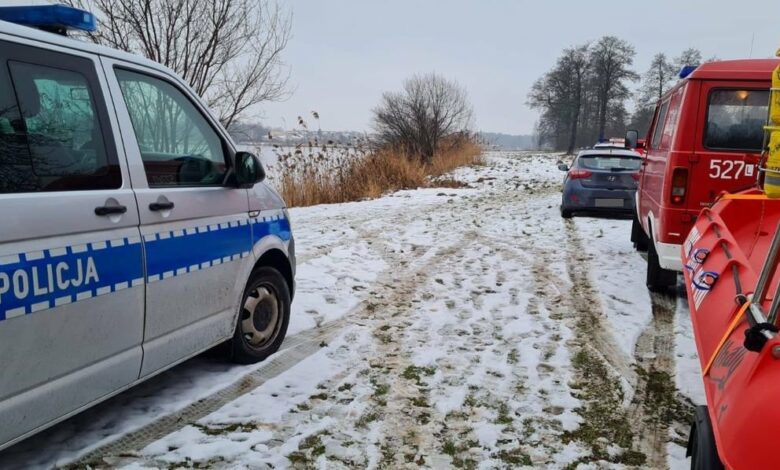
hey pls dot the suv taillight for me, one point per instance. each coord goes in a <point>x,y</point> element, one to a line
<point>576,174</point>
<point>679,185</point>
<point>636,176</point>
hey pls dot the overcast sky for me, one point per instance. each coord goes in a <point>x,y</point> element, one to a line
<point>345,53</point>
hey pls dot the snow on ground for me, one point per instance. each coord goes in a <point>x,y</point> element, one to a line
<point>618,271</point>
<point>688,376</point>
<point>475,329</point>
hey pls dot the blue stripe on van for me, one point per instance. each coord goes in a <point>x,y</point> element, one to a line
<point>42,280</point>
<point>36,281</point>
<point>278,226</point>
<point>194,249</point>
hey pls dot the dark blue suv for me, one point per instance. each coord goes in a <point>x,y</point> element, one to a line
<point>601,181</point>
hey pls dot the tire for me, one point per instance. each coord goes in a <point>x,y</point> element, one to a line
<point>701,444</point>
<point>566,213</point>
<point>263,317</point>
<point>638,236</point>
<point>658,279</point>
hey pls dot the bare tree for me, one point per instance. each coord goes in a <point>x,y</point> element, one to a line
<point>429,109</point>
<point>560,95</point>
<point>657,79</point>
<point>690,56</point>
<point>229,51</point>
<point>611,58</point>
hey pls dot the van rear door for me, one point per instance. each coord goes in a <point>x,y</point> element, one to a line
<point>730,139</point>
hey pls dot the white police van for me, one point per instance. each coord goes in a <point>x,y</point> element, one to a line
<point>133,234</point>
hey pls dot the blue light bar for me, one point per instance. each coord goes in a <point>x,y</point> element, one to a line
<point>55,18</point>
<point>686,70</point>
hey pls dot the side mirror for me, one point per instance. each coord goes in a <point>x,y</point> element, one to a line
<point>632,139</point>
<point>563,167</point>
<point>249,170</point>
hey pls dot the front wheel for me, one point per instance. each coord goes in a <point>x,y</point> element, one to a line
<point>263,317</point>
<point>701,444</point>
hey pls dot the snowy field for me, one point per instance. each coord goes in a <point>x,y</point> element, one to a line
<point>434,328</point>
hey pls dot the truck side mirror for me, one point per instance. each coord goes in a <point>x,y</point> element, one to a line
<point>632,139</point>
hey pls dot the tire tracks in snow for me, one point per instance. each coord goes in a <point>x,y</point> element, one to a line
<point>294,349</point>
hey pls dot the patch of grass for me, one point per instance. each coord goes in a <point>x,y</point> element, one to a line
<point>366,419</point>
<point>308,450</point>
<point>514,457</point>
<point>221,430</point>
<point>660,400</point>
<point>415,373</point>
<point>503,415</point>
<point>345,387</point>
<point>384,338</point>
<point>603,416</point>
<point>319,396</point>
<point>420,402</point>
<point>470,400</point>
<point>449,448</point>
<point>381,390</point>
<point>455,450</point>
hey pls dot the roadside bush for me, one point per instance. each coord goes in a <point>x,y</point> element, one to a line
<point>332,174</point>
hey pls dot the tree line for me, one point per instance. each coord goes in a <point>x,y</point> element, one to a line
<point>583,98</point>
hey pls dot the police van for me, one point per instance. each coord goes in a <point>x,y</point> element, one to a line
<point>133,233</point>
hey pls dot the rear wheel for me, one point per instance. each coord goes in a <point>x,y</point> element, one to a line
<point>263,317</point>
<point>658,278</point>
<point>565,213</point>
<point>701,444</point>
<point>638,236</point>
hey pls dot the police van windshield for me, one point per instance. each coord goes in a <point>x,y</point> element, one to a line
<point>735,119</point>
<point>609,162</point>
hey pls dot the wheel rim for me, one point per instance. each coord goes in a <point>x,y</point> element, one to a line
<point>260,316</point>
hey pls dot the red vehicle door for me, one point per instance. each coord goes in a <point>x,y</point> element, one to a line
<point>653,167</point>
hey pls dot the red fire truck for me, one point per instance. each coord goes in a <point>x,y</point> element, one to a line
<point>705,138</point>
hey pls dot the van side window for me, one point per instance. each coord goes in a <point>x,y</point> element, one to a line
<point>178,146</point>
<point>50,135</point>
<point>735,119</point>
<point>659,125</point>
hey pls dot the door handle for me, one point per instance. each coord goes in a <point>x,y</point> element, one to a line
<point>160,206</point>
<point>110,210</point>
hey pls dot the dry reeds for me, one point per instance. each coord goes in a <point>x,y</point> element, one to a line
<point>331,174</point>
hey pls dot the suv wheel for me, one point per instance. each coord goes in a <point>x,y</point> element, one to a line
<point>658,278</point>
<point>263,317</point>
<point>565,213</point>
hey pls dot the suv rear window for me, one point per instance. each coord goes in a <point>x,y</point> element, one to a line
<point>609,162</point>
<point>735,119</point>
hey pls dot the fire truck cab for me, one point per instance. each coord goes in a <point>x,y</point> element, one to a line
<point>705,138</point>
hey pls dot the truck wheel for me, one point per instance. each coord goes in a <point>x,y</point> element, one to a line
<point>701,444</point>
<point>263,317</point>
<point>658,278</point>
<point>638,236</point>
